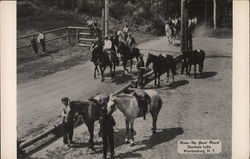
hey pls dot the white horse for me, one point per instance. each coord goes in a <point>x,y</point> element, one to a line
<point>128,105</point>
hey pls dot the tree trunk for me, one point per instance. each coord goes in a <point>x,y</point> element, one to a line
<point>214,15</point>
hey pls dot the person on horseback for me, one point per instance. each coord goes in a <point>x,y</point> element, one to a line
<point>130,42</point>
<point>125,31</point>
<point>107,44</point>
<point>107,48</point>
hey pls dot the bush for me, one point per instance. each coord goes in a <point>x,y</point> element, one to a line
<point>26,8</point>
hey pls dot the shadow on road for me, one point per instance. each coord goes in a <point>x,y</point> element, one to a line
<point>129,155</point>
<point>161,136</point>
<point>175,84</point>
<point>119,78</point>
<point>165,86</point>
<point>218,56</point>
<point>206,75</point>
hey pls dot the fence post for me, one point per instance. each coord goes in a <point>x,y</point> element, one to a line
<point>77,35</point>
<point>45,48</point>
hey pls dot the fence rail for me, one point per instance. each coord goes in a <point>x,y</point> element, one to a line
<point>64,29</point>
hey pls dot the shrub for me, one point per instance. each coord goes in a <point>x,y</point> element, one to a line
<point>26,8</point>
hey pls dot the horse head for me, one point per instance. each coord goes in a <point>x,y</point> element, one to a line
<point>111,105</point>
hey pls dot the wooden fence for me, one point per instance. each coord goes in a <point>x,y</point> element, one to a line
<point>79,33</point>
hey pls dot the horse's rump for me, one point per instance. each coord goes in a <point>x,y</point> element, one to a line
<point>195,56</point>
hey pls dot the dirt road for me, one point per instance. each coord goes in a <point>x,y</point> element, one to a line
<point>192,108</point>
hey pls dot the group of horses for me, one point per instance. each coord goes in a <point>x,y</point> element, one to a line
<point>127,103</point>
<point>166,64</point>
<point>103,59</point>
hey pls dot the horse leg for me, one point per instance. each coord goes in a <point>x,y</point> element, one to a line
<point>173,72</point>
<point>95,72</point>
<point>201,68</point>
<point>189,69</point>
<point>102,72</point>
<point>155,78</point>
<point>132,132</point>
<point>111,75</point>
<point>154,113</point>
<point>131,61</point>
<point>114,69</point>
<point>167,74</point>
<point>124,66</point>
<point>195,71</point>
<point>98,73</point>
<point>159,76</point>
<point>127,131</point>
<point>91,134</point>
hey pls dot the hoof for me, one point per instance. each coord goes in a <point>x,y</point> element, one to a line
<point>102,79</point>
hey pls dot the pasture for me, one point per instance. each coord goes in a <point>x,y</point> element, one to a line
<point>192,108</point>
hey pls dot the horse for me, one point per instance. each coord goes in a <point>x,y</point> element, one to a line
<point>190,58</point>
<point>103,59</point>
<point>127,54</point>
<point>90,112</point>
<point>95,59</point>
<point>170,33</point>
<point>128,105</point>
<point>193,58</point>
<point>158,66</point>
<point>170,65</point>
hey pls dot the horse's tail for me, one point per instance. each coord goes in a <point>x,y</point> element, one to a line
<point>159,105</point>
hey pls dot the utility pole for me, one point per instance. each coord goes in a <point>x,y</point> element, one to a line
<point>106,15</point>
<point>184,25</point>
<point>205,14</point>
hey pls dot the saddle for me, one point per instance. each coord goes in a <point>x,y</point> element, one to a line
<point>143,100</point>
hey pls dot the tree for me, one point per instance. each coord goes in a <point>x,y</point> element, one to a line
<point>214,14</point>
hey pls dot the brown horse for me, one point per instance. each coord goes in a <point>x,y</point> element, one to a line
<point>128,105</point>
<point>90,112</point>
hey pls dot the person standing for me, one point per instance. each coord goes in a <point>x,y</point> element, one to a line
<point>141,67</point>
<point>107,123</point>
<point>68,121</point>
<point>34,44</point>
<point>41,40</point>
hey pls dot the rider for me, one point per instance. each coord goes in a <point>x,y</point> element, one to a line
<point>130,42</point>
<point>107,44</point>
<point>125,31</point>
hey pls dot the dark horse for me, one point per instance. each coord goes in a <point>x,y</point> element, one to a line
<point>90,112</point>
<point>170,65</point>
<point>158,66</point>
<point>193,58</point>
<point>127,54</point>
<point>103,59</point>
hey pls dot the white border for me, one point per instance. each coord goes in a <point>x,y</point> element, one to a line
<point>8,78</point>
<point>240,132</point>
<point>241,111</point>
